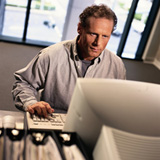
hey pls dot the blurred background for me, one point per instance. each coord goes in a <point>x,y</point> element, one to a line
<point>27,26</point>
<point>44,22</point>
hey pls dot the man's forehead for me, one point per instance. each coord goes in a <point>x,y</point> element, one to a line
<point>93,19</point>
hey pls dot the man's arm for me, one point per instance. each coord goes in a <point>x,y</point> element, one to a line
<point>29,81</point>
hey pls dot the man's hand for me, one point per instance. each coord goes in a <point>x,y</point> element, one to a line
<point>41,108</point>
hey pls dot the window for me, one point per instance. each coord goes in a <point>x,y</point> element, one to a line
<point>137,28</point>
<point>34,21</point>
<point>122,8</point>
<point>14,18</point>
<point>41,22</point>
<point>47,16</point>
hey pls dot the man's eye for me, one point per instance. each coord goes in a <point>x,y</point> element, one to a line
<point>104,36</point>
<point>92,34</point>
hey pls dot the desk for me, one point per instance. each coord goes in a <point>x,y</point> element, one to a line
<point>18,116</point>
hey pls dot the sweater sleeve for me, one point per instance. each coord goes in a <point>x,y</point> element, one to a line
<point>29,81</point>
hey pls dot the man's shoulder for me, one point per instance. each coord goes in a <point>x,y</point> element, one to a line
<point>59,47</point>
<point>56,51</point>
<point>116,62</point>
<point>111,55</point>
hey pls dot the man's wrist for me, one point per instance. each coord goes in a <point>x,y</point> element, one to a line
<point>29,103</point>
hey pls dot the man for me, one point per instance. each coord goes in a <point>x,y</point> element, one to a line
<point>55,69</point>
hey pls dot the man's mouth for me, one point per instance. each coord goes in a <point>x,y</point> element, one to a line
<point>94,49</point>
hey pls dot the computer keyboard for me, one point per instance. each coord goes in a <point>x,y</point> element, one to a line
<point>54,121</point>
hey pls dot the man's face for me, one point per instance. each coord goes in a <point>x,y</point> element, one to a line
<point>94,38</point>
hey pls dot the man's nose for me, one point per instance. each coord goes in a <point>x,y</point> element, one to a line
<point>97,41</point>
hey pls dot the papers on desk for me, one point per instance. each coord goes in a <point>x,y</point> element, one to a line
<point>36,146</point>
<point>42,152</point>
<point>72,153</point>
<point>18,143</point>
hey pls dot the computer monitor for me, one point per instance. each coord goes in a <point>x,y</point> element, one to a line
<point>130,106</point>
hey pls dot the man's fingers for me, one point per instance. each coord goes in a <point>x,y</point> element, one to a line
<point>30,110</point>
<point>38,110</point>
<point>44,111</point>
<point>42,108</point>
<point>48,107</point>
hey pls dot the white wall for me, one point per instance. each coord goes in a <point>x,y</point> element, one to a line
<point>152,50</point>
<point>74,10</point>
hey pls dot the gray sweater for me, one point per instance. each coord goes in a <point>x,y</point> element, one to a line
<point>54,72</point>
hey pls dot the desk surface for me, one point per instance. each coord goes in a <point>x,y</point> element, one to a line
<point>19,116</point>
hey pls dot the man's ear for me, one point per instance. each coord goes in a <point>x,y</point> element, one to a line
<point>79,28</point>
